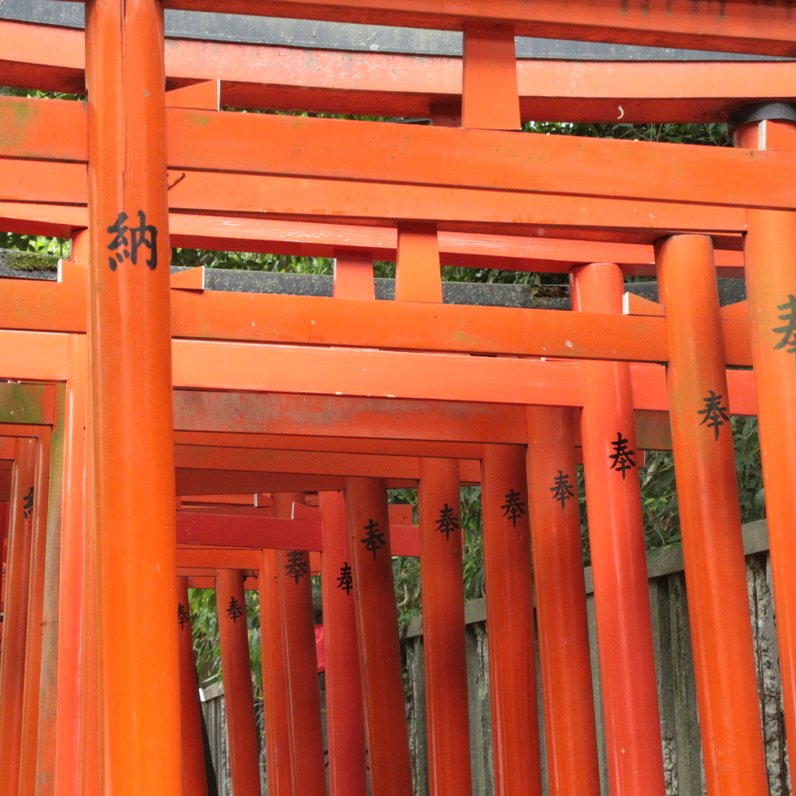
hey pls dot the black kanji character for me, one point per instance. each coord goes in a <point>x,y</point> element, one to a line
<point>373,539</point>
<point>183,617</point>
<point>622,457</point>
<point>562,489</point>
<point>447,522</point>
<point>345,580</point>
<point>296,566</point>
<point>127,241</point>
<point>715,413</point>
<point>788,331</point>
<point>514,507</point>
<point>27,503</point>
<point>234,609</point>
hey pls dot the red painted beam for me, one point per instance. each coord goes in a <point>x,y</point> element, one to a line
<point>388,84</point>
<point>740,26</point>
<point>234,530</point>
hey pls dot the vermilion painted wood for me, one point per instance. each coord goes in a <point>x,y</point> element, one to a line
<point>512,665</point>
<point>744,26</point>
<point>229,530</point>
<point>28,765</point>
<point>771,285</point>
<point>377,629</point>
<point>389,84</point>
<point>275,694</point>
<point>315,416</point>
<point>371,445</point>
<point>317,239</point>
<point>353,275</point>
<point>130,361</point>
<point>298,638</point>
<point>241,728</point>
<point>461,209</point>
<point>345,720</point>
<point>320,239</point>
<point>444,653</point>
<point>344,322</point>
<point>490,97</point>
<point>275,460</point>
<point>616,535</point>
<point>194,778</point>
<point>567,695</point>
<point>443,157</point>
<point>15,611</point>
<point>74,577</point>
<point>417,269</point>
<point>710,519</point>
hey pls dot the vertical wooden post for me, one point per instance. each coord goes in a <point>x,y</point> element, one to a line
<point>275,691</point>
<point>568,698</point>
<point>236,667</point>
<point>417,269</point>
<point>444,650</point>
<point>377,628</point>
<point>345,720</point>
<point>710,519</point>
<point>619,564</point>
<point>33,638</point>
<point>301,667</point>
<point>770,253</point>
<point>75,567</point>
<point>490,96</point>
<point>194,776</point>
<point>130,344</point>
<point>509,621</point>
<point>48,707</point>
<point>15,610</point>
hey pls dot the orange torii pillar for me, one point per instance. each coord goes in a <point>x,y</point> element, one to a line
<point>619,565</point>
<point>770,253</point>
<point>301,667</point>
<point>275,690</point>
<point>244,758</point>
<point>377,629</point>
<point>15,610</point>
<point>345,720</point>
<point>562,625</point>
<point>130,360</point>
<point>194,772</point>
<point>28,757</point>
<point>444,650</point>
<point>509,622</point>
<point>76,570</point>
<point>710,519</point>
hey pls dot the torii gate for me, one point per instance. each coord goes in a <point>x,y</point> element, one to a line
<point>463,183</point>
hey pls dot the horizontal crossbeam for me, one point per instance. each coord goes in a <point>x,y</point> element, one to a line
<point>736,26</point>
<point>388,84</point>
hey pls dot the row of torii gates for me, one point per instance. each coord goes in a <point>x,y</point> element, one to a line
<point>127,387</point>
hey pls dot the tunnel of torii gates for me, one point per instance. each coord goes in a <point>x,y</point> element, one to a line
<point>279,421</point>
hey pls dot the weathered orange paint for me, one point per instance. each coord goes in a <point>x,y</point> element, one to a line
<point>512,665</point>
<point>710,521</point>
<point>345,719</point>
<point>444,652</point>
<point>377,630</point>
<point>15,612</point>
<point>194,778</point>
<point>238,698</point>
<point>130,362</point>
<point>616,535</point>
<point>567,695</point>
<point>771,284</point>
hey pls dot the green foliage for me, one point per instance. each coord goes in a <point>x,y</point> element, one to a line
<point>37,244</point>
<point>207,648</point>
